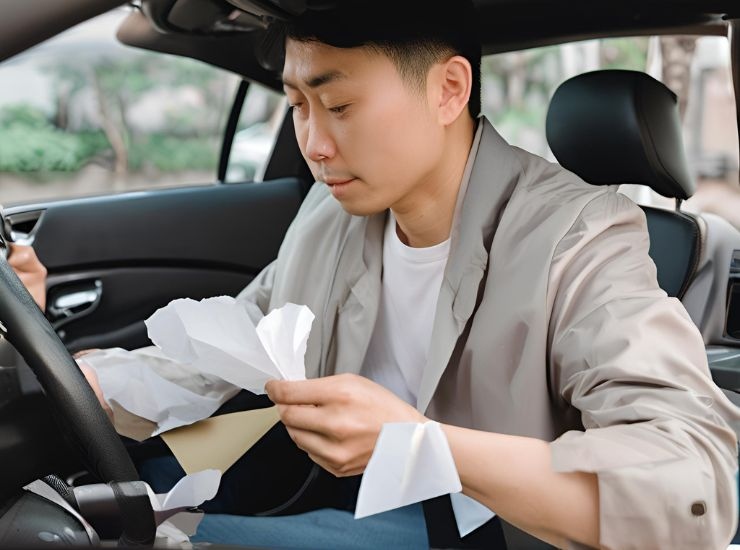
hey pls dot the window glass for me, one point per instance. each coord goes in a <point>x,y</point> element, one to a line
<point>260,119</point>
<point>517,87</point>
<point>82,114</point>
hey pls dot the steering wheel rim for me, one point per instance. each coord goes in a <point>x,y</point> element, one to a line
<point>70,396</point>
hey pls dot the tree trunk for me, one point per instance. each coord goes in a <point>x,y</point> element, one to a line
<point>677,53</point>
<point>112,132</point>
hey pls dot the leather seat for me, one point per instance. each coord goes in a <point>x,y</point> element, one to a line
<point>613,127</point>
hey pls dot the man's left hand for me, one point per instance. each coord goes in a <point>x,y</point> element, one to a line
<point>30,271</point>
<point>337,419</point>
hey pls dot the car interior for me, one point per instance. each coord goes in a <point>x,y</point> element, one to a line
<point>115,259</point>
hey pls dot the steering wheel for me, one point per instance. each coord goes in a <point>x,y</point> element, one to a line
<point>71,398</point>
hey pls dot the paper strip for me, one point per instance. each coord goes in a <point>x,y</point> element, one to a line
<point>469,513</point>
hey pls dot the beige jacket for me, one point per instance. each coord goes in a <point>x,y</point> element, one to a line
<point>550,324</point>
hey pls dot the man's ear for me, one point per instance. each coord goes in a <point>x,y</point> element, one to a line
<point>453,82</point>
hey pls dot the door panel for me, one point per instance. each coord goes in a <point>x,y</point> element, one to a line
<point>128,296</point>
<point>114,260</point>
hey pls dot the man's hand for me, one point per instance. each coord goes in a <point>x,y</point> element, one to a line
<point>92,379</point>
<point>30,271</point>
<point>337,419</point>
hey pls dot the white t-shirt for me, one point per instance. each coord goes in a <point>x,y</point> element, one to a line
<point>412,278</point>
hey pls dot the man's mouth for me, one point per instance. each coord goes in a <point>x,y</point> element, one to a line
<point>331,182</point>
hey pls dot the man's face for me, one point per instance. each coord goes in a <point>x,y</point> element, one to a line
<point>362,129</point>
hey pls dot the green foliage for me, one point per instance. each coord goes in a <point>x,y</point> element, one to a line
<point>30,143</point>
<point>187,140</point>
<point>625,53</point>
<point>22,115</point>
<point>171,154</point>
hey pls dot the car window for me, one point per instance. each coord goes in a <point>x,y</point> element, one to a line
<point>261,115</point>
<point>517,87</point>
<point>82,114</point>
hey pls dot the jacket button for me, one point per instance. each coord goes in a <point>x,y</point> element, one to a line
<point>698,509</point>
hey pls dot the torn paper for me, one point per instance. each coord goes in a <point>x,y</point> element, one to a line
<point>217,336</point>
<point>207,352</point>
<point>218,442</point>
<point>192,490</point>
<point>172,510</point>
<point>411,463</point>
<point>153,386</point>
<point>469,513</point>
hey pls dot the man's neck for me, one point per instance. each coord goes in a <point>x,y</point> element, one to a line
<point>424,217</point>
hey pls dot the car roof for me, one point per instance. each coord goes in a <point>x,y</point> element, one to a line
<point>225,33</point>
<point>185,27</point>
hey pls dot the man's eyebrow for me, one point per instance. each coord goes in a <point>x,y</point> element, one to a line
<point>318,80</point>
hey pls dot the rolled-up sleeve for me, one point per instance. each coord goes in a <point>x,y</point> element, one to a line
<point>629,358</point>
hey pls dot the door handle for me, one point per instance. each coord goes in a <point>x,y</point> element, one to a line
<point>74,301</point>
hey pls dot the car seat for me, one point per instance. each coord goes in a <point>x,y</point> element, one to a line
<point>613,127</point>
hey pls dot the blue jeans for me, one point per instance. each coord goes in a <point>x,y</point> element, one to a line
<point>327,528</point>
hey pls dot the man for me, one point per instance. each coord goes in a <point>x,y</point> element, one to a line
<point>458,279</point>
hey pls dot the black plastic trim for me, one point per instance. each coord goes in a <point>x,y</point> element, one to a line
<point>230,132</point>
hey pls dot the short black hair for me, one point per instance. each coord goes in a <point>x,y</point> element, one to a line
<point>414,34</point>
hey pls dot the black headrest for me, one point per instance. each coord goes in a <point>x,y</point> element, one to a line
<point>613,127</point>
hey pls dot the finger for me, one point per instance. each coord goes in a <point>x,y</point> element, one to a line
<point>299,392</point>
<point>342,472</point>
<point>84,352</point>
<point>311,442</point>
<point>304,417</point>
<point>19,256</point>
<point>336,458</point>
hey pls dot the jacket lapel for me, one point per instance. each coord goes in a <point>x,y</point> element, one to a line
<point>482,198</point>
<point>353,303</point>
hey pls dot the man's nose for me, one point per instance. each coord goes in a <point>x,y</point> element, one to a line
<point>319,145</point>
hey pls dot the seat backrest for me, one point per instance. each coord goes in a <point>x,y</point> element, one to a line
<point>614,127</point>
<point>675,247</point>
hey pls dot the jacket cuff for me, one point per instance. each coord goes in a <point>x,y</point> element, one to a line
<point>650,500</point>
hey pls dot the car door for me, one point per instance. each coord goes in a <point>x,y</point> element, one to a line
<point>113,258</point>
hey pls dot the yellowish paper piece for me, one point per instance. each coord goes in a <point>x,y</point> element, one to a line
<point>218,442</point>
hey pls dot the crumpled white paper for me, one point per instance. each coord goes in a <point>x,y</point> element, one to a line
<point>134,380</point>
<point>214,341</point>
<point>217,336</point>
<point>174,521</point>
<point>412,462</point>
<point>191,491</point>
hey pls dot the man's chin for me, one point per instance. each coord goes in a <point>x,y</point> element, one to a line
<point>358,207</point>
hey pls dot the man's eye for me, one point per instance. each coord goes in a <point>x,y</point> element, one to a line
<point>338,110</point>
